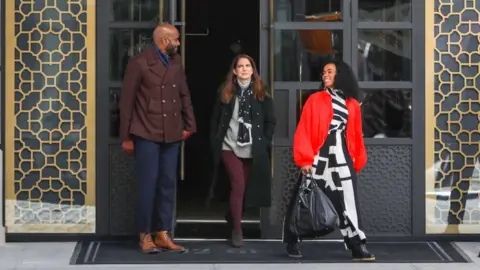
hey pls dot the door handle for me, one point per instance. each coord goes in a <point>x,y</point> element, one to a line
<point>200,34</point>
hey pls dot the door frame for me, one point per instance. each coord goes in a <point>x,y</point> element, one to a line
<point>350,26</point>
<point>105,87</point>
<point>271,228</point>
<point>175,16</point>
<point>268,27</point>
<point>2,121</point>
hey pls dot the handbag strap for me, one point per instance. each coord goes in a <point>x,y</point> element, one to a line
<point>307,180</point>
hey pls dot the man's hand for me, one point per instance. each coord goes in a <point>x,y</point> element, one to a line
<point>127,147</point>
<point>307,169</point>
<point>186,135</point>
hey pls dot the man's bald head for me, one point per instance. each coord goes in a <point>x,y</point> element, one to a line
<point>164,30</point>
<point>165,37</point>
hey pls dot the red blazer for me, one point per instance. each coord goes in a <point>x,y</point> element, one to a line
<point>312,130</point>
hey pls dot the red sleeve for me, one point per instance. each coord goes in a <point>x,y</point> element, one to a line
<point>361,158</point>
<point>302,139</point>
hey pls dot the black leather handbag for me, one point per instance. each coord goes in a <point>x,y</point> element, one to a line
<point>313,214</point>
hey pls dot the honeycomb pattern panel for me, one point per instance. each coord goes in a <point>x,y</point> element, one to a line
<point>285,176</point>
<point>123,192</point>
<point>50,114</point>
<point>384,189</point>
<point>456,106</point>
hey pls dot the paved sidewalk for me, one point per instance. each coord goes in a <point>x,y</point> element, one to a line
<point>57,256</point>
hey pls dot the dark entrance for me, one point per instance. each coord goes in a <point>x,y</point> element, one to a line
<point>208,30</point>
<point>216,31</point>
<point>289,39</point>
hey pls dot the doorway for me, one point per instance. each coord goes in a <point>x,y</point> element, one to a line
<point>124,28</point>
<point>206,36</point>
<point>215,32</point>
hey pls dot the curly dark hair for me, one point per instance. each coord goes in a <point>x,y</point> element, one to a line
<point>345,79</point>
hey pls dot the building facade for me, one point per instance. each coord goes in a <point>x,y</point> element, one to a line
<point>417,63</point>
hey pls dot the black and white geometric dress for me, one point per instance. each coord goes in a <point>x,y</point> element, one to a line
<point>333,171</point>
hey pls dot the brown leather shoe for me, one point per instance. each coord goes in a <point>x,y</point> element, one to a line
<point>146,244</point>
<point>163,242</point>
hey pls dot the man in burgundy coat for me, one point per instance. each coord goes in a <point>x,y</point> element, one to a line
<point>156,114</point>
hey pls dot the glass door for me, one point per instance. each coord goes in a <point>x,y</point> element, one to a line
<point>124,29</point>
<point>299,36</point>
<point>181,27</point>
<point>376,39</point>
<point>382,58</point>
<point>177,18</point>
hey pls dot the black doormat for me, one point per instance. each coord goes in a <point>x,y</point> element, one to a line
<point>219,252</point>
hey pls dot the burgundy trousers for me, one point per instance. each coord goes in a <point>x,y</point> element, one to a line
<point>238,170</point>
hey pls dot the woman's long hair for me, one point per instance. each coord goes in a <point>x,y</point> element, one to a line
<point>229,87</point>
<point>344,80</point>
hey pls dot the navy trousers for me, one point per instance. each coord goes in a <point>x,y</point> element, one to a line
<point>156,167</point>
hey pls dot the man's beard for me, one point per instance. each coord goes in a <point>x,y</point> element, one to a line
<point>171,50</point>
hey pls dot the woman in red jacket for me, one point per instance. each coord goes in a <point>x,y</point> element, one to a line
<point>328,146</point>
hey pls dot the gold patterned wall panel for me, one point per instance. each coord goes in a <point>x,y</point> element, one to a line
<point>50,116</point>
<point>452,116</point>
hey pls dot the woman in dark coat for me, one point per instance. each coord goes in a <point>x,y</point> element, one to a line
<point>241,133</point>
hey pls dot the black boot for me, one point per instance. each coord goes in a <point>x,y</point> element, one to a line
<point>348,243</point>
<point>360,252</point>
<point>228,218</point>
<point>293,250</point>
<point>237,239</point>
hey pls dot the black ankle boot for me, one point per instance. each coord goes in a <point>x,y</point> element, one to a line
<point>237,239</point>
<point>228,218</point>
<point>360,253</point>
<point>293,250</point>
<point>348,244</point>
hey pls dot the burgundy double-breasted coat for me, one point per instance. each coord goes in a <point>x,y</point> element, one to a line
<point>155,102</point>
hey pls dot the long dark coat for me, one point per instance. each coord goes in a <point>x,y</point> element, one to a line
<point>258,190</point>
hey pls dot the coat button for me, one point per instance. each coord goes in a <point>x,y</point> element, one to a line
<point>174,101</point>
<point>174,114</point>
<point>174,85</point>
<point>164,115</point>
<point>163,101</point>
<point>163,86</point>
<point>258,113</point>
<point>259,139</point>
<point>258,125</point>
<point>225,113</point>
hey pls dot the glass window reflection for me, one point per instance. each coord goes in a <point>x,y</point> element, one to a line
<point>300,54</point>
<point>456,186</point>
<point>387,113</point>
<point>307,10</point>
<point>384,55</point>
<point>302,96</point>
<point>125,43</point>
<point>137,10</point>
<point>385,10</point>
<point>114,121</point>
<point>281,104</point>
